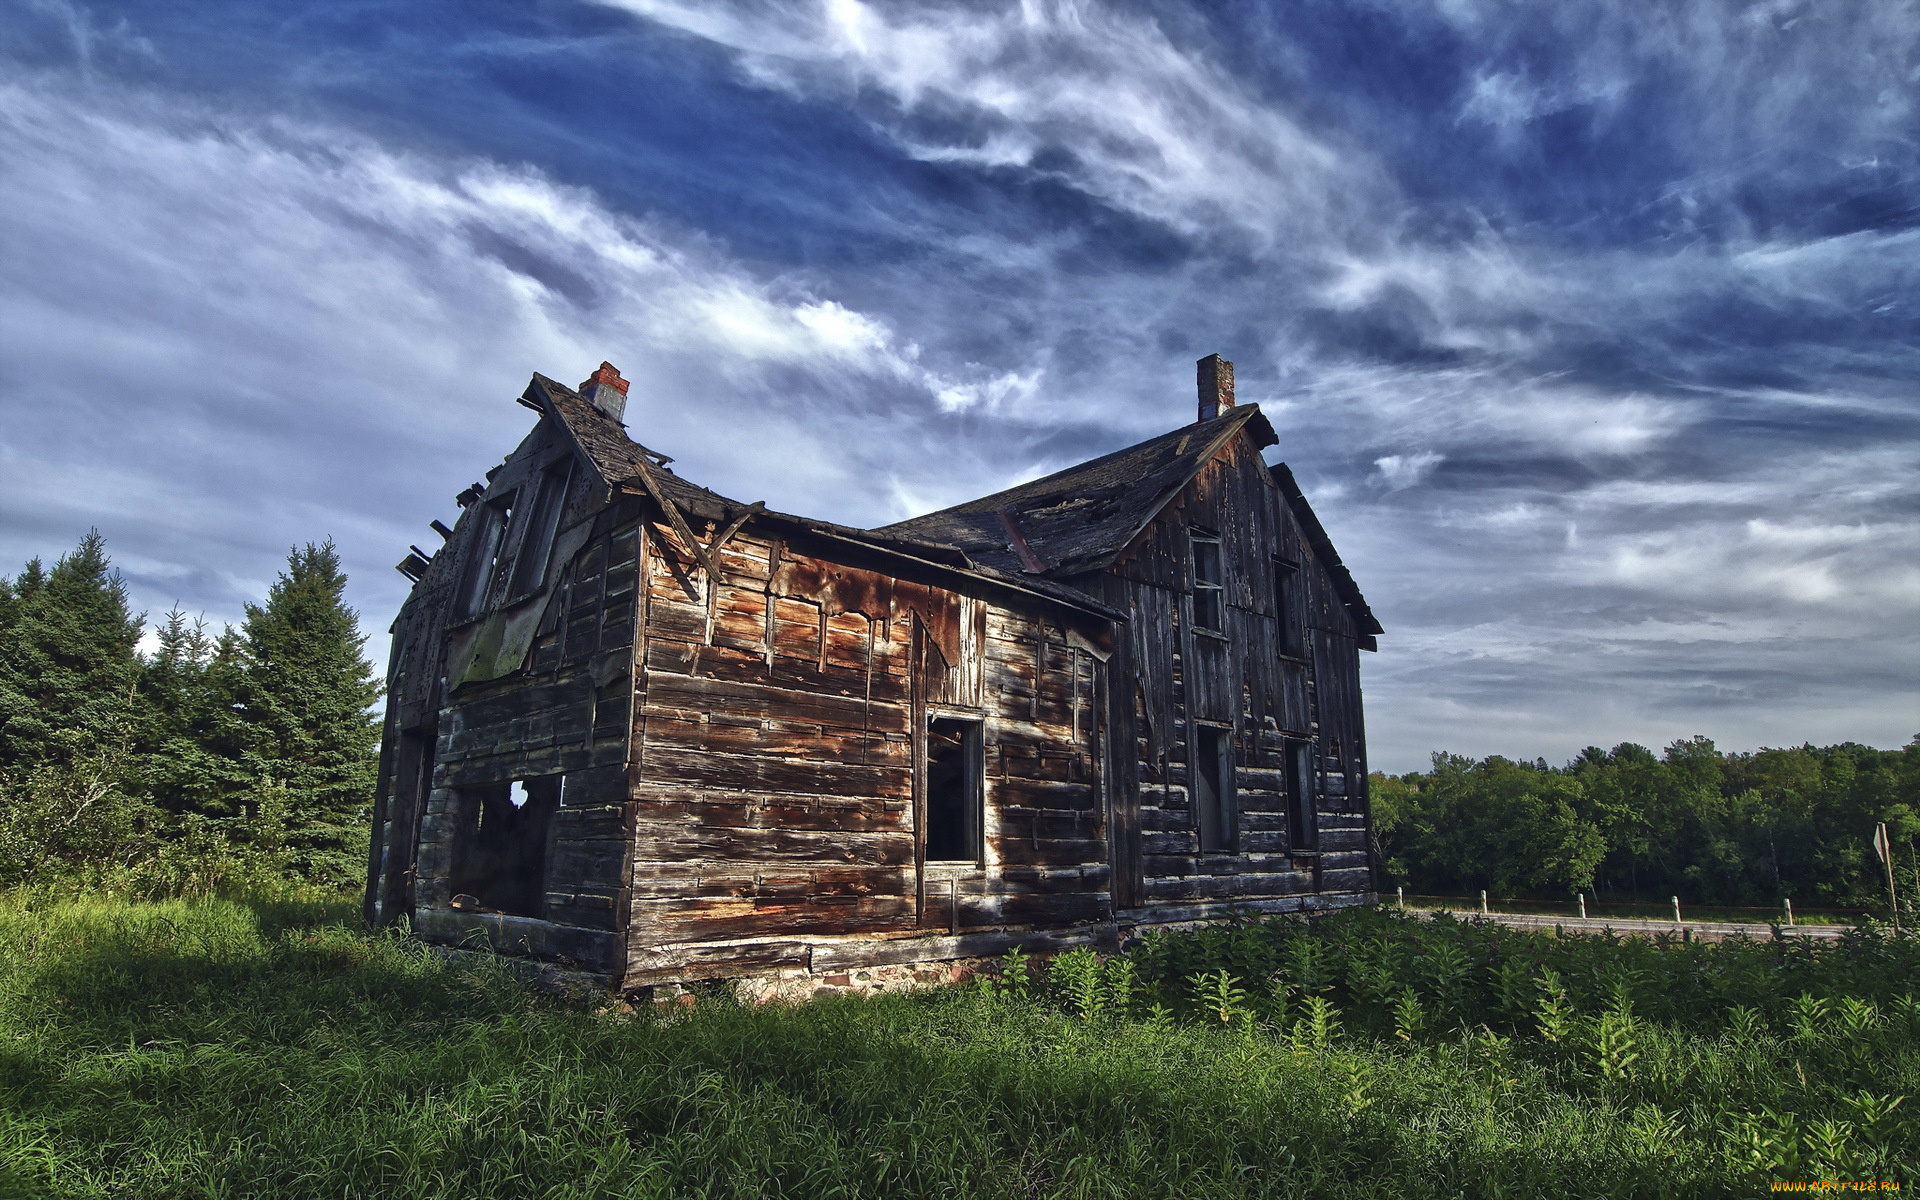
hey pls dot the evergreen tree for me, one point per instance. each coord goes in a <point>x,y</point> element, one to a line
<point>67,664</point>
<point>193,743</point>
<point>303,689</point>
<point>69,715</point>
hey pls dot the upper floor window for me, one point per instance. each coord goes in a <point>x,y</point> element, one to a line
<point>1209,593</point>
<point>484,558</point>
<point>1288,608</point>
<point>530,567</point>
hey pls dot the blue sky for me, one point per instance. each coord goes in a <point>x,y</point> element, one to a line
<point>1588,328</point>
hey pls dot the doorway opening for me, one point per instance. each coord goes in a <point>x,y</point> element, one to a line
<point>1213,787</point>
<point>955,770</point>
<point>504,846</point>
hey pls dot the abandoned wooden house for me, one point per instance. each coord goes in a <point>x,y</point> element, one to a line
<point>660,735</point>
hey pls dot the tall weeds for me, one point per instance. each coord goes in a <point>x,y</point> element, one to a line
<point>238,1049</point>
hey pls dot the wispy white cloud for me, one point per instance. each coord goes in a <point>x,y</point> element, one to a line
<point>1580,340</point>
<point>1405,470</point>
<point>233,289</point>
<point>1096,97</point>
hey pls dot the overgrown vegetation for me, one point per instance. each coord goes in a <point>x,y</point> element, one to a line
<point>227,1049</point>
<point>1712,828</point>
<point>215,762</point>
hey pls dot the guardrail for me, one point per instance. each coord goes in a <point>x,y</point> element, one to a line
<point>1674,911</point>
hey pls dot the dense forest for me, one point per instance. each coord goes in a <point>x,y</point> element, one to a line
<point>1710,827</point>
<point>211,761</point>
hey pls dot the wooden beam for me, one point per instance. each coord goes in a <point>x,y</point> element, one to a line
<point>734,526</point>
<point>1017,542</point>
<point>680,527</point>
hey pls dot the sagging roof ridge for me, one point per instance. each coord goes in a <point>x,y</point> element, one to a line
<point>617,459</point>
<point>1113,497</point>
<point>983,527</point>
<point>1048,485</point>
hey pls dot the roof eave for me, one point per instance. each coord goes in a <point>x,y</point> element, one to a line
<point>1316,535</point>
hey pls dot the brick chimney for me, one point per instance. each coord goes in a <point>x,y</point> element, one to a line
<point>1216,386</point>
<point>608,392</point>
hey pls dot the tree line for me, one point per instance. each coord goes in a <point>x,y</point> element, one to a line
<point>209,761</point>
<point>1740,829</point>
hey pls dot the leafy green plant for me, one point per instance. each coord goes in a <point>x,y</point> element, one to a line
<point>1809,1016</point>
<point>1122,985</point>
<point>1078,980</point>
<point>1448,971</point>
<point>1513,985</point>
<point>1015,980</point>
<point>1553,1011</point>
<point>272,1048</point>
<point>1309,969</point>
<point>1616,1045</point>
<point>1318,1024</point>
<point>1858,1018</point>
<point>1409,1016</point>
<point>1219,995</point>
<point>1746,1024</point>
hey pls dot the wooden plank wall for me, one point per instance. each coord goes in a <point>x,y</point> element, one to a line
<point>778,728</point>
<point>1181,675</point>
<point>568,713</point>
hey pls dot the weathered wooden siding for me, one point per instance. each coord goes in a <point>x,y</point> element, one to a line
<point>777,748</point>
<point>533,687</point>
<point>743,757</point>
<point>1176,675</point>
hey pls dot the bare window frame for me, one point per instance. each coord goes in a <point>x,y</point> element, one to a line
<point>486,554</point>
<point>1289,608</point>
<point>1209,581</point>
<point>957,833</point>
<point>503,851</point>
<point>531,565</point>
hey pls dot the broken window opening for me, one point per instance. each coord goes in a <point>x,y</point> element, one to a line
<point>530,567</point>
<point>1211,764</point>
<point>503,846</point>
<point>1209,603</point>
<point>483,561</point>
<point>1303,818</point>
<point>1287,608</point>
<point>955,778</point>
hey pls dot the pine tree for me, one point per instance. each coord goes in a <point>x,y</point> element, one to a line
<point>192,744</point>
<point>67,663</point>
<point>303,690</point>
<point>69,717</point>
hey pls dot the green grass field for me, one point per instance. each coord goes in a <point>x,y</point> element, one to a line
<point>226,1049</point>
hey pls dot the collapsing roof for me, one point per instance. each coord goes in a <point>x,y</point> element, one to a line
<point>1084,517</point>
<point>1030,538</point>
<point>624,465</point>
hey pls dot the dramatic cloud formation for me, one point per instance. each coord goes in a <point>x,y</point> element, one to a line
<point>1589,328</point>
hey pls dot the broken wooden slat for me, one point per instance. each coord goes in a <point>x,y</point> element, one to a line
<point>674,517</point>
<point>1017,542</point>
